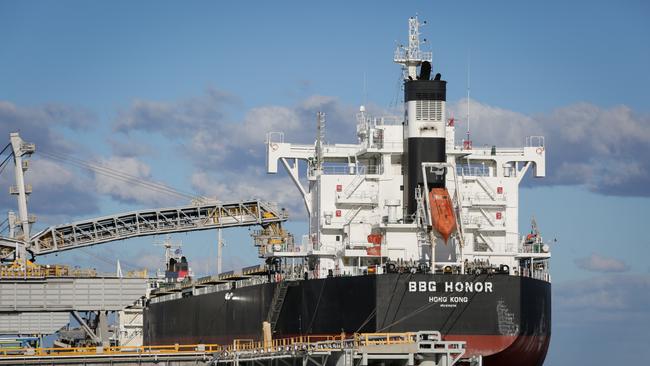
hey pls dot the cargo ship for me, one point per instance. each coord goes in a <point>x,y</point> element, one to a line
<point>408,231</point>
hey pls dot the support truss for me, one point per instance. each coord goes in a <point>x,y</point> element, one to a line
<point>154,222</point>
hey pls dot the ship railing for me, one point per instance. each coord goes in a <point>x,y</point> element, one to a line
<point>499,197</point>
<point>537,274</point>
<point>222,287</point>
<point>389,121</point>
<point>352,169</point>
<point>481,221</point>
<point>371,122</point>
<point>275,137</point>
<point>162,298</point>
<point>403,55</point>
<point>532,248</point>
<point>473,171</point>
<point>389,145</point>
<point>251,281</point>
<point>360,195</point>
<point>492,150</point>
<point>534,141</point>
<point>474,220</point>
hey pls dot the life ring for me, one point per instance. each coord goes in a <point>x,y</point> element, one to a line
<point>274,147</point>
<point>540,150</point>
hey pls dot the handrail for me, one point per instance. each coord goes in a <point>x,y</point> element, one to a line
<point>320,342</point>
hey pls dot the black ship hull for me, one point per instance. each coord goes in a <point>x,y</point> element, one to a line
<point>506,319</point>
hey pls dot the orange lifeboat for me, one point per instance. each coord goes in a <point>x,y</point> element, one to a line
<point>442,212</point>
<point>374,250</point>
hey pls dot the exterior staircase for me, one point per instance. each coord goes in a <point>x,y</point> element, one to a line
<point>356,182</point>
<point>276,303</point>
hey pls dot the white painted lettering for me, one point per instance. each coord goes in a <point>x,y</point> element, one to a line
<point>459,299</point>
<point>432,286</point>
<point>412,286</point>
<point>458,286</point>
<point>478,287</point>
<point>422,286</point>
<point>488,287</point>
<point>469,286</point>
<point>449,286</point>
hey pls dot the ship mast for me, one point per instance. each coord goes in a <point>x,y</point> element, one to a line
<point>411,57</point>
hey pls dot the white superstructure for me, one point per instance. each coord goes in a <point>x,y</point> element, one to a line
<point>354,198</point>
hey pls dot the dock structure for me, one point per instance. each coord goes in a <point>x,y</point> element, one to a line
<point>366,349</point>
<point>43,305</point>
<point>66,294</point>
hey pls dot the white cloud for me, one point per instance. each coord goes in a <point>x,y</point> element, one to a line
<point>248,185</point>
<point>149,260</point>
<point>620,298</point>
<point>125,187</point>
<point>597,263</point>
<point>493,125</point>
<point>130,146</point>
<point>602,149</point>
<point>60,192</point>
<point>259,121</point>
<point>27,118</point>
<point>178,118</point>
<point>43,172</point>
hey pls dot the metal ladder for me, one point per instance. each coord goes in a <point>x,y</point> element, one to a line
<point>277,302</point>
<point>356,182</point>
<point>421,219</point>
<point>421,211</point>
<point>486,187</point>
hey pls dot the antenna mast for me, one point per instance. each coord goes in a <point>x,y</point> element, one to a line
<point>467,144</point>
<point>365,90</point>
<point>411,57</point>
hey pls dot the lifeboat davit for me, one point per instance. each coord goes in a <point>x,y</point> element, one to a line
<point>442,212</point>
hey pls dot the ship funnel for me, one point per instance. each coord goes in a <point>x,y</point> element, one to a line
<point>425,71</point>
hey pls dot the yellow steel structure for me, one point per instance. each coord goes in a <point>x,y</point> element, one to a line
<point>33,270</point>
<point>311,342</point>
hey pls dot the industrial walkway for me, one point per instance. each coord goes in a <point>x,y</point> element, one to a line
<point>421,348</point>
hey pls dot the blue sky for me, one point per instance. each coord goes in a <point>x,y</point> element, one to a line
<point>183,92</point>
